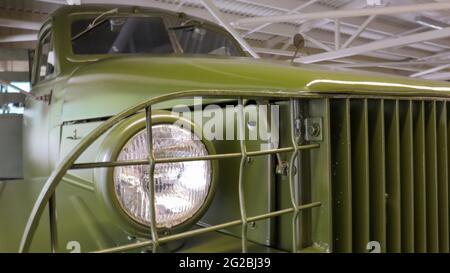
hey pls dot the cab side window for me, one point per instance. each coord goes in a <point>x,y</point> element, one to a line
<point>46,58</point>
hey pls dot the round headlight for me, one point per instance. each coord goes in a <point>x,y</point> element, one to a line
<point>181,188</point>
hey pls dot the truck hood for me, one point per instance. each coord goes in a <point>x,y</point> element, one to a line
<point>109,86</point>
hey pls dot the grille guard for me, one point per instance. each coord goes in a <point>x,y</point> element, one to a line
<point>47,194</point>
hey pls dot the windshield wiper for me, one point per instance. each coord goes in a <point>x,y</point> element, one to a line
<point>186,25</point>
<point>95,23</point>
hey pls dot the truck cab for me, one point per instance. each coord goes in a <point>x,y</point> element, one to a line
<point>90,64</point>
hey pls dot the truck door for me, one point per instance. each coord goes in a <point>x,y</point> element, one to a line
<point>36,114</point>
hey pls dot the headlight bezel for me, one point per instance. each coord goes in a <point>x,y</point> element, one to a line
<point>109,150</point>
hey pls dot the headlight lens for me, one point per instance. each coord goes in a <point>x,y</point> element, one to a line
<point>181,188</point>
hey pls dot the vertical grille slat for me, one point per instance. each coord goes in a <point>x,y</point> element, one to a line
<point>420,221</point>
<point>342,192</point>
<point>431,178</point>
<point>442,157</point>
<point>390,174</point>
<point>393,215</point>
<point>377,173</point>
<point>448,156</point>
<point>360,174</point>
<point>407,176</point>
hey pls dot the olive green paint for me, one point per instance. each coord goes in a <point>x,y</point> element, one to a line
<point>92,87</point>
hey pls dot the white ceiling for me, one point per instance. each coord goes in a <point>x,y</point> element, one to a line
<point>383,37</point>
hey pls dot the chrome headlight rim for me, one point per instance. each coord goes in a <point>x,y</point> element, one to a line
<point>110,149</point>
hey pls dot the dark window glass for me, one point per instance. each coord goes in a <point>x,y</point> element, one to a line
<point>121,35</point>
<point>46,65</point>
<point>200,40</point>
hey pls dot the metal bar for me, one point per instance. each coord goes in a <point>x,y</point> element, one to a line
<point>20,24</point>
<point>151,171</point>
<point>306,184</point>
<point>360,174</point>
<point>370,64</point>
<point>53,223</point>
<point>315,42</point>
<point>377,173</point>
<point>295,10</point>
<point>417,29</point>
<point>292,186</point>
<point>407,176</point>
<point>420,218</point>
<point>341,175</point>
<point>431,178</point>
<point>359,31</point>
<point>180,5</point>
<point>429,71</point>
<point>442,76</point>
<point>21,91</point>
<point>393,190</point>
<point>442,160</point>
<point>185,159</point>
<point>242,209</point>
<point>195,232</point>
<point>448,155</point>
<point>376,45</point>
<point>271,175</point>
<point>337,34</point>
<point>264,110</point>
<point>217,14</point>
<point>19,38</point>
<point>334,14</point>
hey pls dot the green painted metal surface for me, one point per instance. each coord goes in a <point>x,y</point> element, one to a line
<point>360,174</point>
<point>407,176</point>
<point>442,161</point>
<point>376,139</point>
<point>393,183</point>
<point>431,178</point>
<point>377,173</point>
<point>420,237</point>
<point>342,160</point>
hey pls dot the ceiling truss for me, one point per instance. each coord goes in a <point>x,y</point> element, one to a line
<point>376,35</point>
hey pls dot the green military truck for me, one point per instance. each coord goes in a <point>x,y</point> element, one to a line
<point>153,131</point>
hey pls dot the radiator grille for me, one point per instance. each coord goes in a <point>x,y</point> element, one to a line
<point>390,174</point>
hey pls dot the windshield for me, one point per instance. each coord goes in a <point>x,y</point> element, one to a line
<point>200,40</point>
<point>122,35</point>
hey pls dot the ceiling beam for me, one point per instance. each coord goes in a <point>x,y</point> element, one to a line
<point>359,31</point>
<point>21,24</point>
<point>294,11</point>
<point>444,76</point>
<point>439,55</point>
<point>61,2</point>
<point>373,64</point>
<point>377,45</point>
<point>309,25</point>
<point>336,14</point>
<point>18,38</point>
<point>287,53</point>
<point>423,73</point>
<point>220,18</point>
<point>275,29</point>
